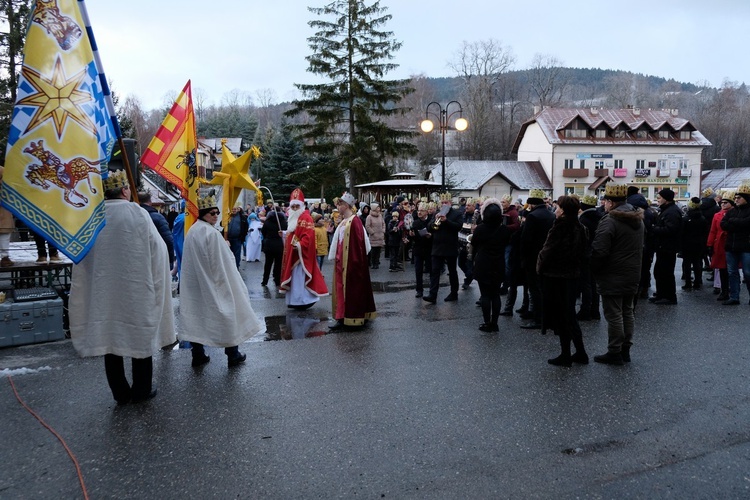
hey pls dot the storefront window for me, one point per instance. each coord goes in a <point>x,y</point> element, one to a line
<point>577,189</point>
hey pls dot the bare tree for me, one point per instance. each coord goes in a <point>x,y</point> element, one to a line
<point>549,80</point>
<point>481,66</point>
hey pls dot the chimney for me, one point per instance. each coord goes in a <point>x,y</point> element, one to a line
<point>636,111</point>
<point>537,109</point>
<point>675,111</point>
<point>594,110</point>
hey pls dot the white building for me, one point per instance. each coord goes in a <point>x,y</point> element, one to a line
<point>580,150</point>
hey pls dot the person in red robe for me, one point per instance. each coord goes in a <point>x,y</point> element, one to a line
<point>301,279</point>
<point>353,302</point>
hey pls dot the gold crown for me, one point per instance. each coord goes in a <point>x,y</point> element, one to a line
<point>446,197</point>
<point>116,179</point>
<point>506,197</point>
<point>207,202</point>
<point>537,193</point>
<point>616,191</point>
<point>431,205</point>
<point>707,192</point>
<point>470,201</point>
<point>727,195</point>
<point>744,188</point>
<point>589,199</point>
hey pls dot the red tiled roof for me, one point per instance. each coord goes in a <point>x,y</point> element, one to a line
<point>553,120</point>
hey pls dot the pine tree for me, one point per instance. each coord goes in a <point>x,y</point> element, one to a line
<point>348,114</point>
<point>283,164</point>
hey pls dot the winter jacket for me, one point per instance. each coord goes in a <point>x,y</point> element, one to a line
<point>272,242</point>
<point>668,228</point>
<point>375,227</point>
<point>736,223</point>
<point>533,235</point>
<point>394,233</point>
<point>511,219</point>
<point>445,238</point>
<point>564,249</point>
<point>421,245</point>
<point>694,233</point>
<point>616,251</point>
<point>649,219</point>
<point>488,245</point>
<point>163,227</point>
<point>717,239</point>
<point>709,208</point>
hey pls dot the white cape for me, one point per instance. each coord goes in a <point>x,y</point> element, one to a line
<point>214,303</point>
<point>121,293</point>
<point>253,242</point>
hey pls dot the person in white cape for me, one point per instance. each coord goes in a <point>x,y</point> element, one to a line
<point>254,240</point>
<point>121,295</point>
<point>215,306</point>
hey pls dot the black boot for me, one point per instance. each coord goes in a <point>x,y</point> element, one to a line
<point>625,353</point>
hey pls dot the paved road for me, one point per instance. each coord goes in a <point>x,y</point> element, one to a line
<point>419,405</point>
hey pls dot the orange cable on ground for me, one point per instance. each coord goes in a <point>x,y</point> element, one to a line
<point>59,438</point>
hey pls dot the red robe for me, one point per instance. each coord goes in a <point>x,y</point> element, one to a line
<point>305,255</point>
<point>353,302</point>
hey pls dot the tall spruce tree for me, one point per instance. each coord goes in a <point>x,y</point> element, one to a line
<point>283,163</point>
<point>14,15</point>
<point>346,119</point>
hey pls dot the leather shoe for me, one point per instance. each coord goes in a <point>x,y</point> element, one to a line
<point>561,360</point>
<point>580,357</point>
<point>336,327</point>
<point>418,295</point>
<point>237,360</point>
<point>200,361</point>
<point>484,327</point>
<point>625,353</point>
<point>141,399</point>
<point>506,313</point>
<point>430,299</point>
<point>730,302</point>
<point>665,302</point>
<point>450,298</point>
<point>611,358</point>
<point>532,325</point>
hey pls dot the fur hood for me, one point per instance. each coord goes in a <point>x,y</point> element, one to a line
<point>488,202</point>
<point>628,215</point>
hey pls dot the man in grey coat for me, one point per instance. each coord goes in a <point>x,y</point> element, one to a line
<point>616,265</point>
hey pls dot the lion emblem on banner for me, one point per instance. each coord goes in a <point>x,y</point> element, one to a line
<point>47,14</point>
<point>54,172</point>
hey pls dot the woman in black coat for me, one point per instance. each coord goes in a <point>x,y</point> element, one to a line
<point>559,266</point>
<point>488,249</point>
<point>273,245</point>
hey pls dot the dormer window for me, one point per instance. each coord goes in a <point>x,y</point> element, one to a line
<point>663,134</point>
<point>619,134</point>
<point>600,133</point>
<point>641,134</point>
<point>575,134</point>
<point>685,135</point>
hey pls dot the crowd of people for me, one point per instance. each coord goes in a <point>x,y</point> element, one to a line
<point>555,254</point>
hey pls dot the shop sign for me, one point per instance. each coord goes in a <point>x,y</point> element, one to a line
<point>620,172</point>
<point>642,172</point>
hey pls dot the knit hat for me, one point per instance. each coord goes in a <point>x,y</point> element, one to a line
<point>667,194</point>
<point>589,200</point>
<point>694,202</point>
<point>616,192</point>
<point>115,180</point>
<point>536,196</point>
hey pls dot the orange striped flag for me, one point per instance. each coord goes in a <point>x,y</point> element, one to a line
<point>172,152</point>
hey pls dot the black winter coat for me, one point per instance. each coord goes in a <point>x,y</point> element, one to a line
<point>488,246</point>
<point>668,228</point>
<point>445,238</point>
<point>617,251</point>
<point>272,242</point>
<point>564,249</point>
<point>694,233</point>
<point>736,223</point>
<point>421,245</point>
<point>533,235</point>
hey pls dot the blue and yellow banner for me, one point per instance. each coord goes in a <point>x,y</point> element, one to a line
<point>61,133</point>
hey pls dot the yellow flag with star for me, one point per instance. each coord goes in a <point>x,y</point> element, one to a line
<point>61,133</point>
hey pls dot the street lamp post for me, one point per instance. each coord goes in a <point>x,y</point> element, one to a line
<point>724,183</point>
<point>443,115</point>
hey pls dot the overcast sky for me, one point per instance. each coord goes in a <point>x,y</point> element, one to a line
<point>150,48</point>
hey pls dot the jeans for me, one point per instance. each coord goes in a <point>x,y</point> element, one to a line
<point>733,261</point>
<point>235,245</point>
<point>321,259</point>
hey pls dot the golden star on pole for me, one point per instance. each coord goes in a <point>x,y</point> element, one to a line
<point>234,177</point>
<point>58,98</point>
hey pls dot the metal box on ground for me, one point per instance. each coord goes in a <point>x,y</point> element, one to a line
<point>31,322</point>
